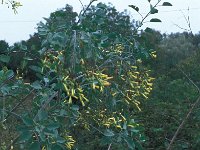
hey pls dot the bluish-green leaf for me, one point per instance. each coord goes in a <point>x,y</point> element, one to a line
<point>9,74</point>
<point>130,143</point>
<point>60,139</point>
<point>53,126</point>
<point>27,121</point>
<point>36,85</point>
<point>75,107</point>
<point>167,4</point>
<point>155,20</point>
<point>36,69</point>
<point>23,47</point>
<point>35,146</point>
<point>109,133</point>
<point>25,136</point>
<point>63,112</point>
<point>4,58</point>
<point>134,7</point>
<point>153,9</point>
<point>101,5</point>
<point>42,115</point>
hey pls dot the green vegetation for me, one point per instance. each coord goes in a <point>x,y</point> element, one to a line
<point>92,81</point>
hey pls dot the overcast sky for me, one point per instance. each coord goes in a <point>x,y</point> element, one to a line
<point>14,28</point>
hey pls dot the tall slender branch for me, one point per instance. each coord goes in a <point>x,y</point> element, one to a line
<point>188,114</point>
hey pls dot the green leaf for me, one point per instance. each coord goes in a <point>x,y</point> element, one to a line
<point>130,143</point>
<point>27,121</point>
<point>35,146</point>
<point>22,128</point>
<point>58,147</point>
<point>36,69</point>
<point>60,139</point>
<point>75,107</point>
<point>153,10</point>
<point>25,136</point>
<point>4,58</point>
<point>104,38</point>
<point>42,115</point>
<point>101,5</point>
<point>155,20</point>
<point>58,39</point>
<point>36,85</point>
<point>23,47</point>
<point>5,89</point>
<point>149,30</point>
<point>9,74</point>
<point>109,133</point>
<point>63,112</point>
<point>53,126</point>
<point>167,4</point>
<point>134,7</point>
<point>42,136</point>
<point>39,130</point>
<point>23,64</point>
<point>43,31</point>
<point>105,141</point>
<point>138,145</point>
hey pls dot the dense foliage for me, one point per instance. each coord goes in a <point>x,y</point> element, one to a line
<point>88,82</point>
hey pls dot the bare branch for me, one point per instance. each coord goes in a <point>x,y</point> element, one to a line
<point>187,19</point>
<point>188,114</point>
<point>181,27</point>
<point>81,3</point>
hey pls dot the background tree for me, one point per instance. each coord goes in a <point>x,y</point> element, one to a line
<point>3,46</point>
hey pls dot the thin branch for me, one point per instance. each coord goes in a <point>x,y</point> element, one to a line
<point>109,147</point>
<point>190,80</point>
<point>12,113</point>
<point>187,19</point>
<point>81,3</point>
<point>45,104</point>
<point>182,123</point>
<point>96,129</point>
<point>181,27</point>
<point>142,21</point>
<point>84,11</point>
<point>188,114</point>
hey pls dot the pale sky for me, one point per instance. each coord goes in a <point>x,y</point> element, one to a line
<point>14,28</point>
